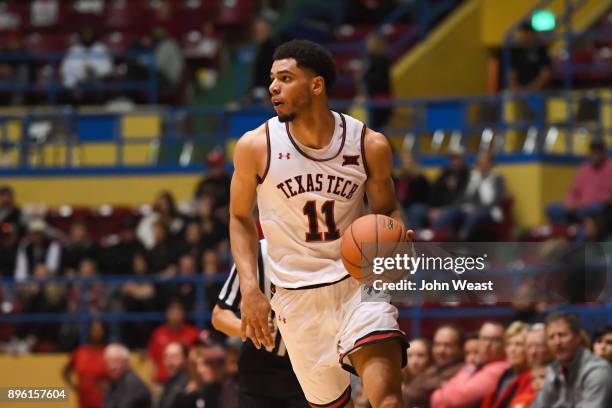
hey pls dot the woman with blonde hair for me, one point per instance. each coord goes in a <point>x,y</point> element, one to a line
<point>517,377</point>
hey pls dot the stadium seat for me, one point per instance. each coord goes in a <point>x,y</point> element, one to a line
<point>192,18</point>
<point>14,16</point>
<point>235,13</point>
<point>130,15</point>
<point>118,41</point>
<point>43,43</point>
<point>352,33</point>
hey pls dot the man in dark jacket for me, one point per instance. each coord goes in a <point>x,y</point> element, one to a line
<point>175,357</point>
<point>126,389</point>
<point>9,212</point>
<point>447,190</point>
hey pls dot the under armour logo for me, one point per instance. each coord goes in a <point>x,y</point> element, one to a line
<point>282,319</point>
<point>350,160</point>
<point>287,156</point>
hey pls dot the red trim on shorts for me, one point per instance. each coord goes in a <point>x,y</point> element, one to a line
<point>375,337</point>
<point>339,402</point>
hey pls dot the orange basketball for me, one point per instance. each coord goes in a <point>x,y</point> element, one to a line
<point>362,241</point>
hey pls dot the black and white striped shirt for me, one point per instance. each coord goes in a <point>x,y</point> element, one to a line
<point>263,372</point>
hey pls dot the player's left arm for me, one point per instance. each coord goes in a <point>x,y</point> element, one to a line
<point>379,186</point>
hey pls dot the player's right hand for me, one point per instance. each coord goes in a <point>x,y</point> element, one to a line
<point>255,316</point>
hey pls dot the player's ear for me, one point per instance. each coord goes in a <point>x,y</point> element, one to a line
<point>318,85</point>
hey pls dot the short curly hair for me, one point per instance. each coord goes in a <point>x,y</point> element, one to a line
<point>310,55</point>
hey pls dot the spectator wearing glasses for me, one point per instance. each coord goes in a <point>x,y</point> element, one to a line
<point>517,377</point>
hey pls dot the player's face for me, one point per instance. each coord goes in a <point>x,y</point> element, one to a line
<point>290,89</point>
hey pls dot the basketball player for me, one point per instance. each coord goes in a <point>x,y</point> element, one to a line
<point>265,377</point>
<point>309,168</point>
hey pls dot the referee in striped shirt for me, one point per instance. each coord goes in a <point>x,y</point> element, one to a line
<point>265,376</point>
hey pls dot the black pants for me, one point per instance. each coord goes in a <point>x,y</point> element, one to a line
<point>246,400</point>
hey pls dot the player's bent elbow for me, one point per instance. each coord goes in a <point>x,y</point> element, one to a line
<point>216,318</point>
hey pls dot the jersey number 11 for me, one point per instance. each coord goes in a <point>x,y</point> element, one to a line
<point>313,234</point>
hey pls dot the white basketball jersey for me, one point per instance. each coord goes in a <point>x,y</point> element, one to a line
<point>307,199</point>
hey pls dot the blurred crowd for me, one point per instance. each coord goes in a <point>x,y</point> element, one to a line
<point>473,203</point>
<point>98,51</point>
<point>165,243</point>
<point>462,203</point>
<point>543,365</point>
<point>189,369</point>
<point>547,364</point>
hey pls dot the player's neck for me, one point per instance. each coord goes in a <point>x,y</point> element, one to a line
<point>314,129</point>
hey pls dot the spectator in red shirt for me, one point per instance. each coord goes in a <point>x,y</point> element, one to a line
<point>87,363</point>
<point>469,387</point>
<point>590,189</point>
<point>174,330</point>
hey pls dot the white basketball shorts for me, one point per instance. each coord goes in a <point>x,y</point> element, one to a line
<point>321,326</point>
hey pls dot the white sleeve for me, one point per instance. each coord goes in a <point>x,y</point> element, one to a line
<point>53,257</point>
<point>21,266</point>
<point>102,61</point>
<point>71,70</point>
